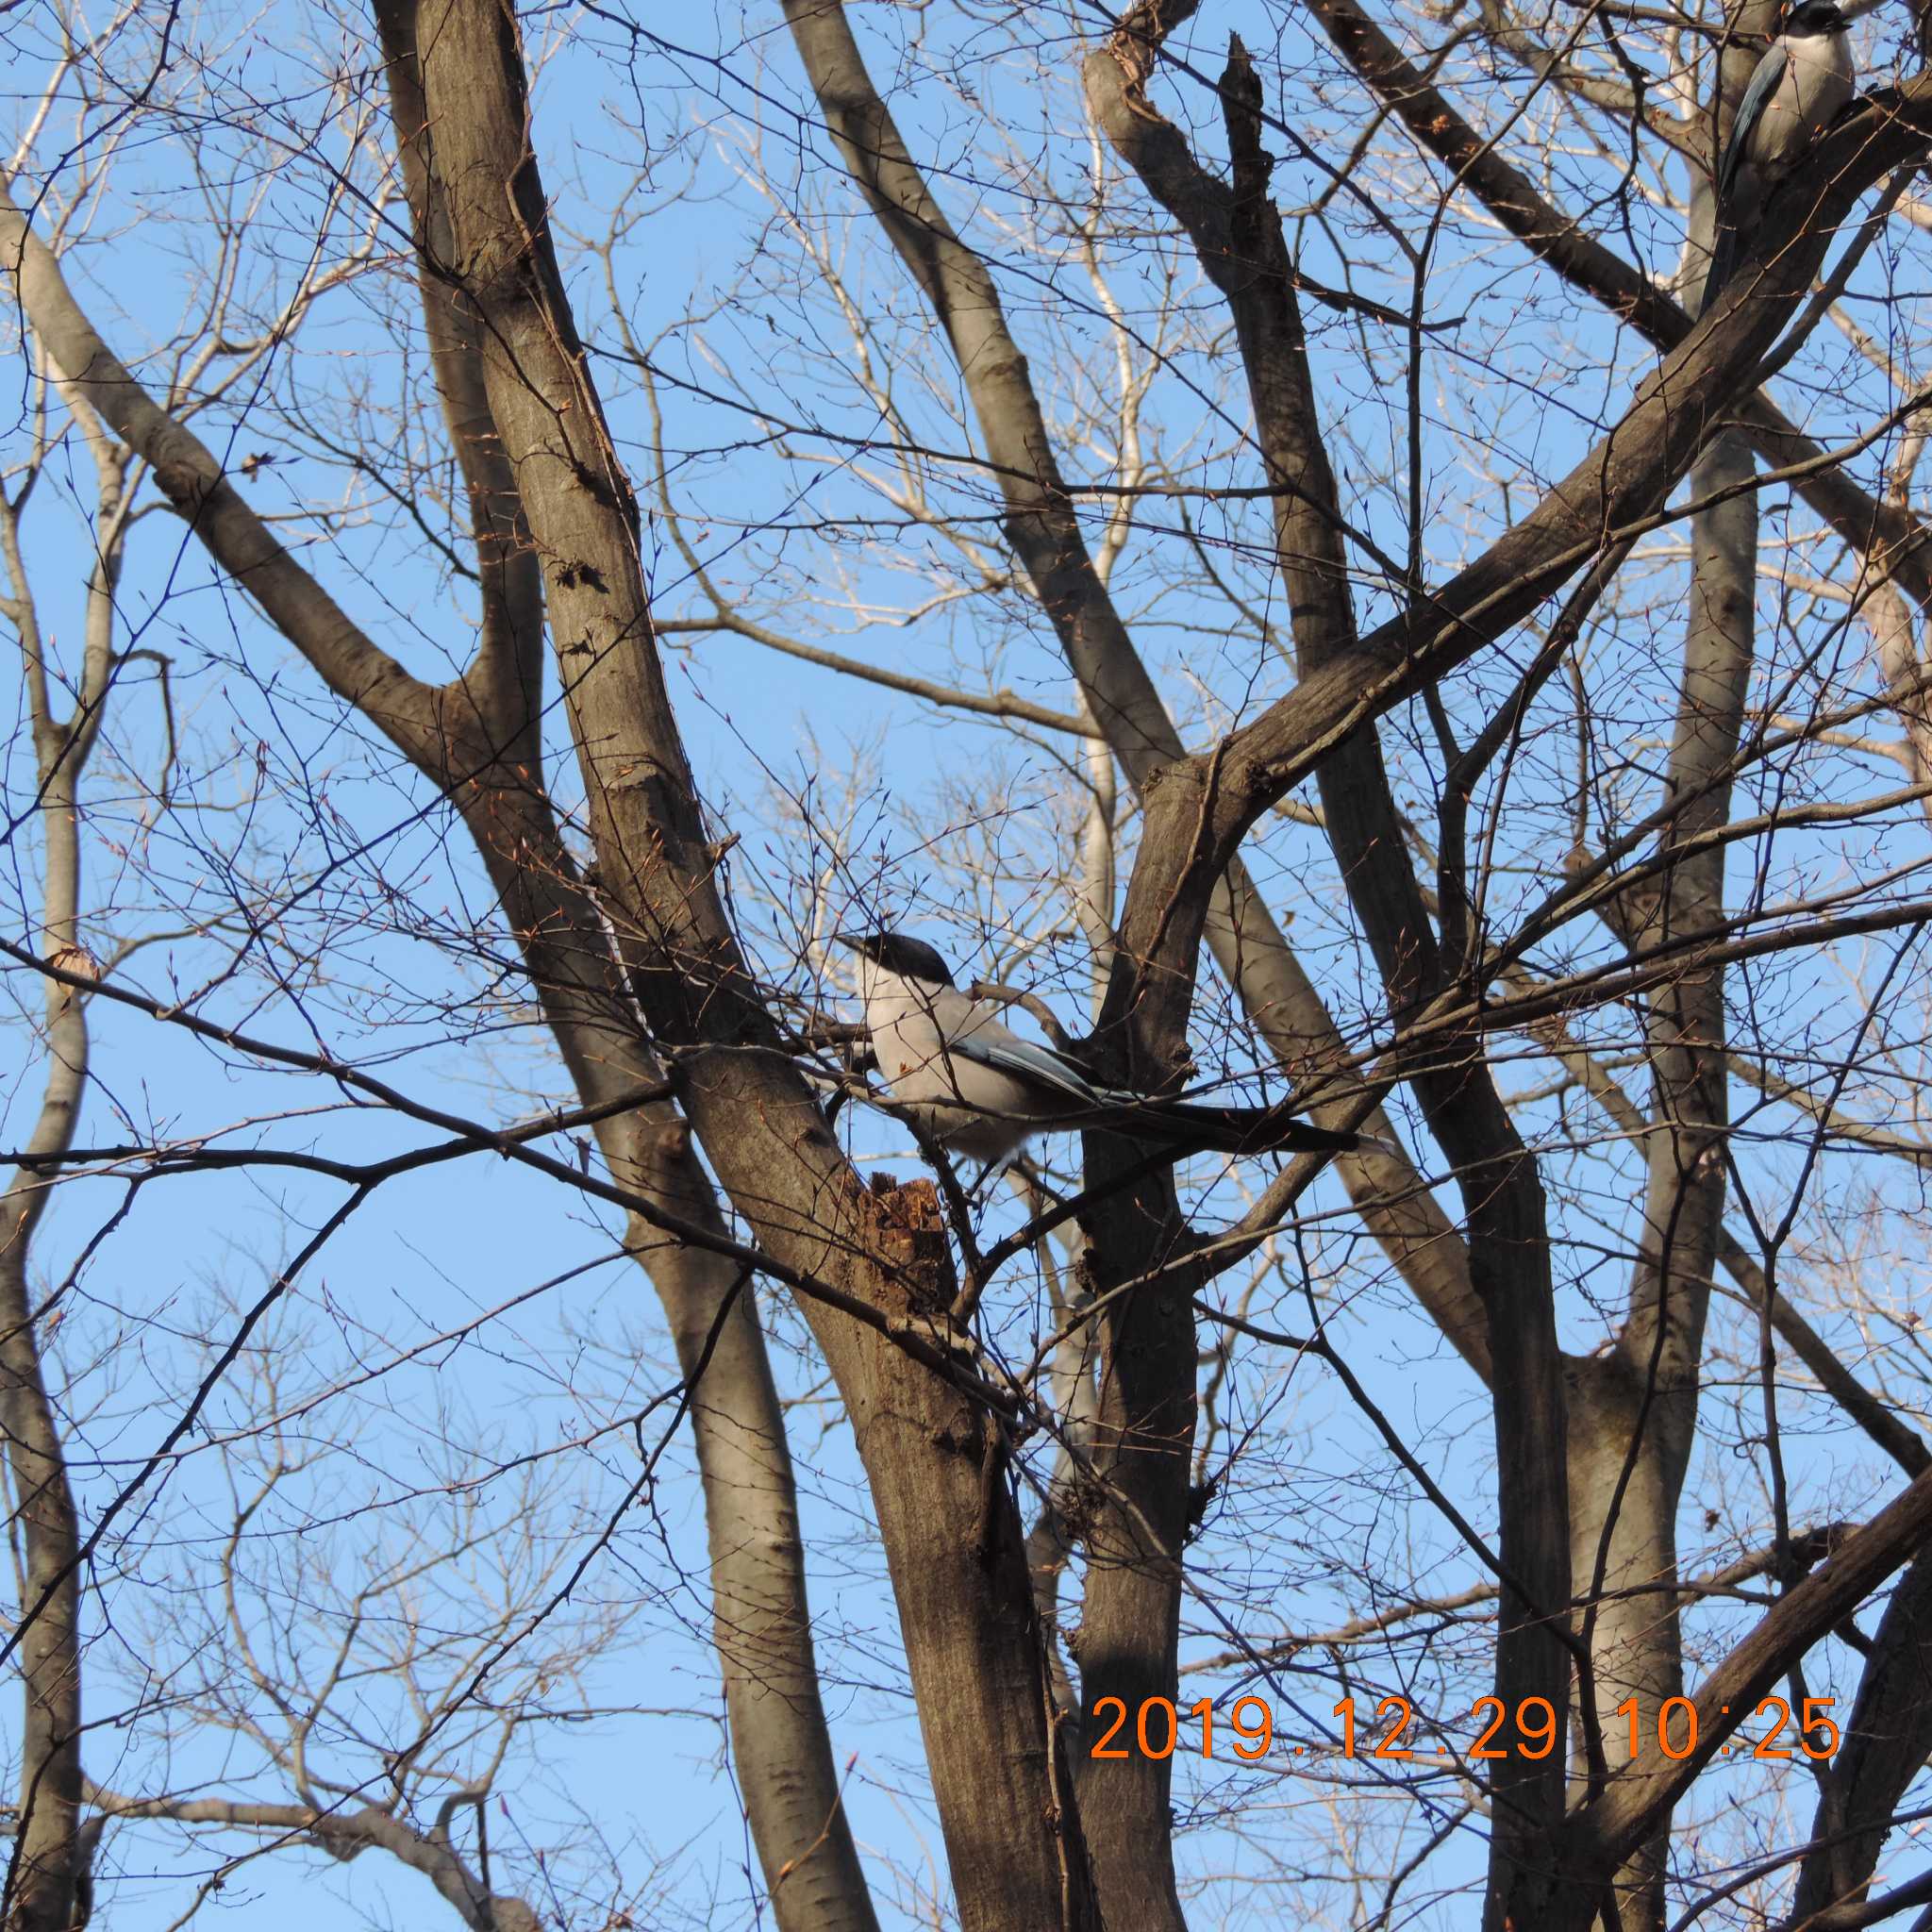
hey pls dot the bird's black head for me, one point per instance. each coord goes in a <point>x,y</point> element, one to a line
<point>1815,17</point>
<point>910,959</point>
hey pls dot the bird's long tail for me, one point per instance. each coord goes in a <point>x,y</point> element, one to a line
<point>1723,259</point>
<point>1231,1129</point>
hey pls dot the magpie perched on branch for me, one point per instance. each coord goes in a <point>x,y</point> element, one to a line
<point>979,1090</point>
<point>1801,85</point>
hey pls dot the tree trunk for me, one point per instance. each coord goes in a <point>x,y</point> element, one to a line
<point>781,1750</point>
<point>47,1885</point>
<point>1642,1403</point>
<point>933,1456</point>
<point>42,1866</point>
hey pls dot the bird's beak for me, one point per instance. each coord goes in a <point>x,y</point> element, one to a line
<point>855,940</point>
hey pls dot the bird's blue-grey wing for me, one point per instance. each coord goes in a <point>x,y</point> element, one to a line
<point>1039,1066</point>
<point>1764,83</point>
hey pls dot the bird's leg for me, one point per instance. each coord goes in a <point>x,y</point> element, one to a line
<point>859,1060</point>
<point>996,1165</point>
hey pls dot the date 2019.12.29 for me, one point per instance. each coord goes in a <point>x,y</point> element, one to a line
<point>1155,1731</point>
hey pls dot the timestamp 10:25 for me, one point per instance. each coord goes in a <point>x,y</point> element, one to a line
<point>1157,1729</point>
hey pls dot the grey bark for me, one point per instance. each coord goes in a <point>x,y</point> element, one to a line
<point>1670,418</point>
<point>934,1459</point>
<point>1695,386</point>
<point>1886,1740</point>
<point>480,738</point>
<point>45,1888</point>
<point>756,1120</point>
<point>1888,1735</point>
<point>1620,1817</point>
<point>1636,1410</point>
<point>1897,546</point>
<point>1876,1418</point>
<point>1130,1616</point>
<point>346,1835</point>
<point>42,1868</point>
<point>1208,805</point>
<point>780,1742</point>
<point>1136,1525</point>
<point>1237,237</point>
<point>1245,941</point>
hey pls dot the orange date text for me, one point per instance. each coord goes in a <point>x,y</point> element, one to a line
<point>1246,1731</point>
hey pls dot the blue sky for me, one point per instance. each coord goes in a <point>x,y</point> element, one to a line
<point>427,1319</point>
